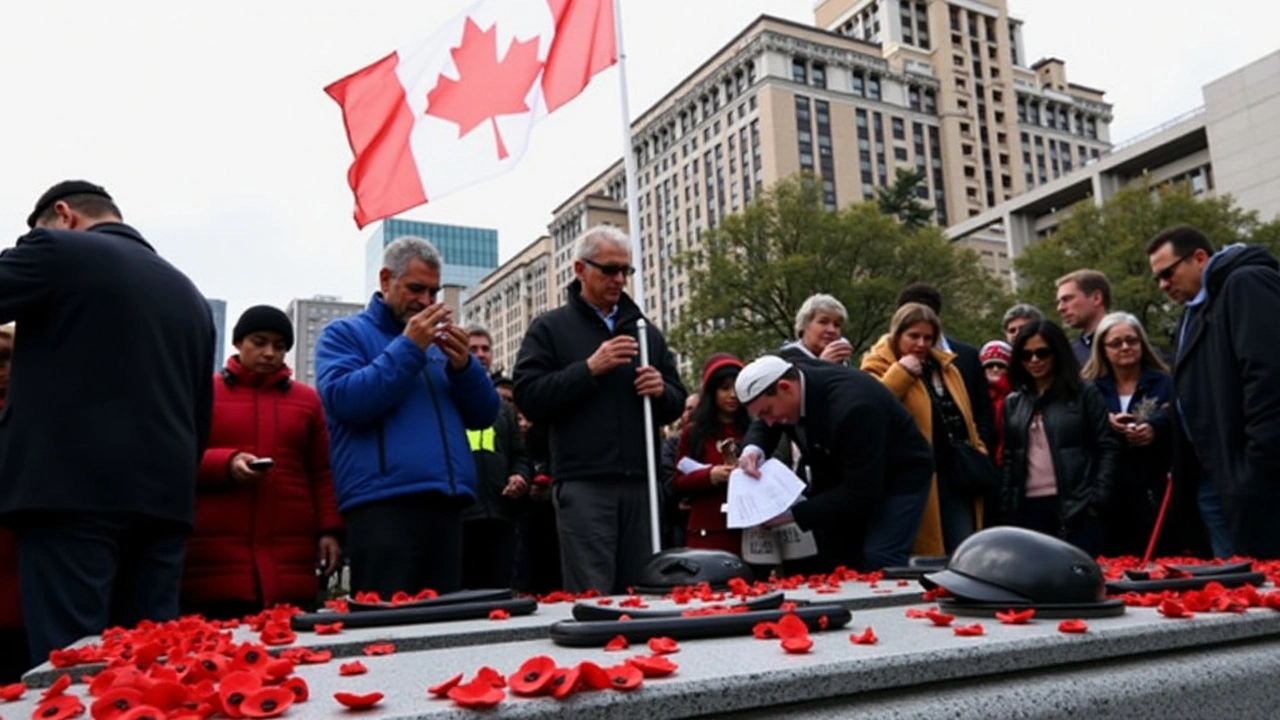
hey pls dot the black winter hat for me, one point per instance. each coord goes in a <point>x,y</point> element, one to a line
<point>62,191</point>
<point>263,318</point>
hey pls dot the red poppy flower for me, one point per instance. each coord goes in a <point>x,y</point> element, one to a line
<point>617,642</point>
<point>57,688</point>
<point>633,602</point>
<point>235,687</point>
<point>652,667</point>
<point>250,657</point>
<point>352,668</point>
<point>12,693</point>
<point>491,676</point>
<point>368,596</point>
<point>663,645</point>
<point>917,613</point>
<point>790,625</point>
<point>969,630</point>
<point>764,631</point>
<point>328,629</point>
<point>623,617</point>
<point>443,688</point>
<point>1172,608</point>
<point>278,634</point>
<point>823,622</point>
<point>426,594</point>
<point>385,648</point>
<point>604,601</point>
<point>358,702</point>
<point>314,657</point>
<point>591,676</point>
<point>1073,626</point>
<point>166,695</point>
<point>267,702</point>
<point>625,677</point>
<point>499,614</point>
<point>298,687</point>
<point>797,644</point>
<point>534,676</point>
<point>340,605</point>
<point>563,682</point>
<point>277,669</point>
<point>478,693</point>
<point>145,712</point>
<point>101,683</point>
<point>64,658</point>
<point>1016,617</point>
<point>59,707</point>
<point>940,619</point>
<point>401,597</point>
<point>868,637</point>
<point>934,594</point>
<point>115,702</point>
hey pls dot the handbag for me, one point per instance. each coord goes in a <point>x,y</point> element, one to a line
<point>972,472</point>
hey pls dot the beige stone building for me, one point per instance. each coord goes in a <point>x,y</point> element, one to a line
<point>509,298</point>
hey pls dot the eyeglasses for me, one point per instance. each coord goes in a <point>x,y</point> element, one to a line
<point>1166,273</point>
<point>1039,354</point>
<point>611,269</point>
<point>1117,343</point>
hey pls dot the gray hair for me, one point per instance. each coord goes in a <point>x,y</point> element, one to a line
<point>588,243</point>
<point>1022,311</point>
<point>815,304</point>
<point>1098,365</point>
<point>403,250</point>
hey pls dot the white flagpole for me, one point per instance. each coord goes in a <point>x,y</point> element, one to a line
<point>637,261</point>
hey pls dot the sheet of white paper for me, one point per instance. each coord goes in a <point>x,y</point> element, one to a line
<point>762,546</point>
<point>688,465</point>
<point>753,501</point>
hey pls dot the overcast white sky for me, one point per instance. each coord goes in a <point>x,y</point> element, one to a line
<point>208,122</point>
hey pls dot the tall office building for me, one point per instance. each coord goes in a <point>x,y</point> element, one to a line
<point>509,298</point>
<point>218,308</point>
<point>309,316</point>
<point>469,254</point>
<point>928,85</point>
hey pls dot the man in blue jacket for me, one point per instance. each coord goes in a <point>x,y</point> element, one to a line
<point>400,389</point>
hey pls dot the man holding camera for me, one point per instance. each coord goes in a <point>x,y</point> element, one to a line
<point>400,389</point>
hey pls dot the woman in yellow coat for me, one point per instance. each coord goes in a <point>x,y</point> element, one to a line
<point>923,378</point>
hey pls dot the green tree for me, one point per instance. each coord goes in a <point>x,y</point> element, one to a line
<point>1112,238</point>
<point>753,272</point>
<point>902,200</point>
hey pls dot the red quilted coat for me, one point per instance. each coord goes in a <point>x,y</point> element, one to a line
<point>706,527</point>
<point>257,542</point>
<point>10,604</point>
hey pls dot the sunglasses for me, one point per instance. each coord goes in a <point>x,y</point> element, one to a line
<point>1118,343</point>
<point>1038,354</point>
<point>1166,274</point>
<point>611,269</point>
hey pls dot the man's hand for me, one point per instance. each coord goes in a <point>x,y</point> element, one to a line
<point>516,487</point>
<point>749,461</point>
<point>240,470</point>
<point>720,474</point>
<point>649,382</point>
<point>330,554</point>
<point>422,327</point>
<point>612,353</point>
<point>837,351</point>
<point>453,340</point>
<point>912,364</point>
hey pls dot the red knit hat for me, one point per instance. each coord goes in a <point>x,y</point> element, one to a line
<point>996,351</point>
<point>717,362</point>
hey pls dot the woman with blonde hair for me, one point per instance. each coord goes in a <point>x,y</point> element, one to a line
<point>924,378</point>
<point>1136,385</point>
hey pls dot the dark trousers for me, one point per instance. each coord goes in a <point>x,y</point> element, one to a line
<point>604,533</point>
<point>15,658</point>
<point>488,553</point>
<point>540,547</point>
<point>1042,515</point>
<point>81,573</point>
<point>405,543</point>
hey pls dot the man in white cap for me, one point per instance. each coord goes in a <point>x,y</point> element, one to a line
<point>871,467</point>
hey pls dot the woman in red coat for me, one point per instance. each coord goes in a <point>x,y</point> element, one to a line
<point>261,527</point>
<point>14,658</point>
<point>711,438</point>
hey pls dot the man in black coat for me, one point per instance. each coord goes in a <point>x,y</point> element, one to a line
<point>106,419</point>
<point>578,372</point>
<point>871,468</point>
<point>1226,380</point>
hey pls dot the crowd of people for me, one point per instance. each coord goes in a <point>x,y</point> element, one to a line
<point>137,485</point>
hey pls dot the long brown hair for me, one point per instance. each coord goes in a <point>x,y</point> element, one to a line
<point>909,315</point>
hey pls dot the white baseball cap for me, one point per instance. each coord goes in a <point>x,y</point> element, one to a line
<point>756,377</point>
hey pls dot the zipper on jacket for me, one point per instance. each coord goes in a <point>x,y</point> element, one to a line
<point>382,448</point>
<point>444,437</point>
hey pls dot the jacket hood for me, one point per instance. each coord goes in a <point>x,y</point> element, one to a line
<point>248,378</point>
<point>1233,257</point>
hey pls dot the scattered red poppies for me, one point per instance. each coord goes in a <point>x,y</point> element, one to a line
<point>327,629</point>
<point>663,645</point>
<point>973,630</point>
<point>617,642</point>
<point>1015,617</point>
<point>866,637</point>
<point>1073,626</point>
<point>352,668</point>
<point>357,701</point>
<point>499,614</point>
<point>385,648</point>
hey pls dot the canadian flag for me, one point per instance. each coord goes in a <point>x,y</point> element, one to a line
<point>458,107</point>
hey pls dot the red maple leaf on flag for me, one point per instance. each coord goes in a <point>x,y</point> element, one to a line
<point>486,87</point>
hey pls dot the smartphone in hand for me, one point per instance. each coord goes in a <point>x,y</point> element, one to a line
<point>261,464</point>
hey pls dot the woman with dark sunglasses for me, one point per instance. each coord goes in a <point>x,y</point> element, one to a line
<point>1060,454</point>
<point>1136,385</point>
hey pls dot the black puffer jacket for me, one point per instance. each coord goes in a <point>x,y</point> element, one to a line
<point>1084,450</point>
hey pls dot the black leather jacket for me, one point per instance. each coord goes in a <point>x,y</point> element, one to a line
<point>1084,450</point>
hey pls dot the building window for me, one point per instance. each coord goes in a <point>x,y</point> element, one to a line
<point>799,71</point>
<point>819,75</point>
<point>804,132</point>
<point>913,97</point>
<point>873,87</point>
<point>859,84</point>
<point>899,129</point>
